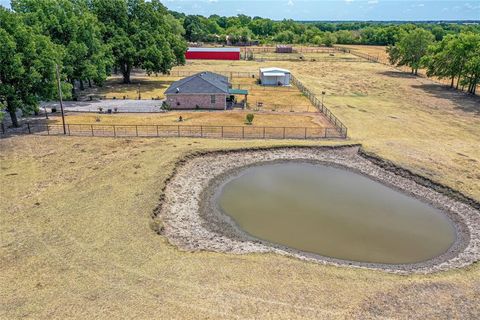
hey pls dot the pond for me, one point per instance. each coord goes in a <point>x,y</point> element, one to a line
<point>335,213</point>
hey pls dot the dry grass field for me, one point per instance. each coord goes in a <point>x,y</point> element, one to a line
<point>308,56</point>
<point>279,99</point>
<point>76,228</point>
<point>381,54</point>
<point>206,118</point>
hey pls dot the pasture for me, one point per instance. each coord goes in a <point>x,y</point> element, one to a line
<point>76,212</point>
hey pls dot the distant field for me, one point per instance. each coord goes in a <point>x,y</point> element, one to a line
<point>346,57</point>
<point>381,53</point>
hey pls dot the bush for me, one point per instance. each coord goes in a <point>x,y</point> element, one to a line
<point>165,106</point>
<point>250,117</point>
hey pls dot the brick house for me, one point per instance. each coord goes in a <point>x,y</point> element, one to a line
<point>204,90</point>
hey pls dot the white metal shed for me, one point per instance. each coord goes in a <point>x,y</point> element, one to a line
<point>274,76</point>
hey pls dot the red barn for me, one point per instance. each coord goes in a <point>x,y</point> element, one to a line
<point>213,53</point>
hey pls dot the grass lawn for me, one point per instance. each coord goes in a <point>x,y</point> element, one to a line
<point>77,241</point>
<point>151,87</point>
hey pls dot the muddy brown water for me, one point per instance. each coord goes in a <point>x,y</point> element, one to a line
<point>335,213</point>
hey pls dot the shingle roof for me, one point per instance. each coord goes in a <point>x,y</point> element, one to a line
<point>203,82</point>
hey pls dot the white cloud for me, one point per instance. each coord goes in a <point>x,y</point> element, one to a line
<point>372,1</point>
<point>349,1</point>
<point>211,1</point>
<point>290,3</point>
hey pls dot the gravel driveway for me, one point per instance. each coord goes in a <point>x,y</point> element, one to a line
<point>122,105</point>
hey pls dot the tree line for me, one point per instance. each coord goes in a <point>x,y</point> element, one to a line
<point>242,28</point>
<point>455,57</point>
<point>87,40</point>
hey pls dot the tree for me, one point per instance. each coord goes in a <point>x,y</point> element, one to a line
<point>329,39</point>
<point>27,65</point>
<point>453,57</point>
<point>70,24</point>
<point>141,35</point>
<point>194,30</point>
<point>410,49</point>
<point>472,66</point>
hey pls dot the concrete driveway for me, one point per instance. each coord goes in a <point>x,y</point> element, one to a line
<point>145,106</point>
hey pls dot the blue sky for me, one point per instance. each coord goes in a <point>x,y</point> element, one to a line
<point>331,9</point>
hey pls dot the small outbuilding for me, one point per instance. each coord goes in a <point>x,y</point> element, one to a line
<point>274,77</point>
<point>282,48</point>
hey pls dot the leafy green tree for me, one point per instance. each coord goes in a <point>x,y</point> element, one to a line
<point>329,39</point>
<point>27,65</point>
<point>242,34</point>
<point>410,49</point>
<point>70,24</point>
<point>286,36</point>
<point>471,74</point>
<point>194,30</point>
<point>141,34</point>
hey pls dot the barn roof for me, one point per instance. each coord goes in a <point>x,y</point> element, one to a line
<point>223,49</point>
<point>203,82</point>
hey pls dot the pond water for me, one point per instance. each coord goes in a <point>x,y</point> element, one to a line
<point>335,213</point>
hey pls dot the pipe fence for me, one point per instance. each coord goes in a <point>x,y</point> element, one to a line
<point>191,131</point>
<point>320,106</point>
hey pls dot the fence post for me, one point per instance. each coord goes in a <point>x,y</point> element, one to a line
<point>263,132</point>
<point>91,127</point>
<point>136,130</point>
<point>28,126</point>
<point>222,131</point>
<point>305,133</point>
<point>114,131</point>
<point>157,130</point>
<point>48,130</point>
<point>201,131</point>
<point>178,131</point>
<point>243,132</point>
<point>325,133</point>
<point>68,128</point>
<point>283,132</point>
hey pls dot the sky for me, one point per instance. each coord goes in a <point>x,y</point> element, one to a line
<point>402,10</point>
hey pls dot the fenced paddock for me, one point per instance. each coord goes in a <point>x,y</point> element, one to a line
<point>190,131</point>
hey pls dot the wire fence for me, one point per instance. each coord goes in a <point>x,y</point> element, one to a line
<point>191,131</point>
<point>228,74</point>
<point>295,50</point>
<point>320,106</point>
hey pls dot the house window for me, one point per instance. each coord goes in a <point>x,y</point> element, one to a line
<point>212,99</point>
<point>178,103</point>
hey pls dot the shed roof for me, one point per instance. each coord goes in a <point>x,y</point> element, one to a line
<point>273,69</point>
<point>203,82</point>
<point>274,74</point>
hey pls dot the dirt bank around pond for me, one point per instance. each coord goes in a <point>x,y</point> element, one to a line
<point>192,222</point>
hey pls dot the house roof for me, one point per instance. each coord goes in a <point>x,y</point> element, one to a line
<point>203,82</point>
<point>273,69</point>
